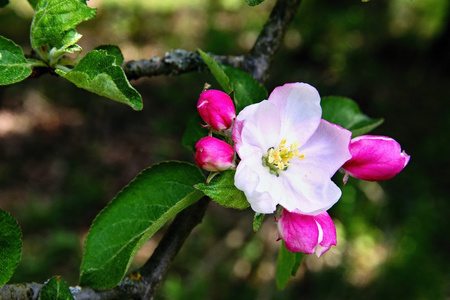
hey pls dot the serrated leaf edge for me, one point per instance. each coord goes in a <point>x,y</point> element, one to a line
<point>14,267</point>
<point>196,194</point>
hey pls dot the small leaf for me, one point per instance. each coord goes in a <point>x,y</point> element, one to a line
<point>13,64</point>
<point>98,72</point>
<point>133,216</point>
<point>112,50</point>
<point>194,131</point>
<point>346,113</point>
<point>246,89</point>
<point>52,30</point>
<point>254,2</point>
<point>217,72</point>
<point>10,246</point>
<point>55,289</point>
<point>257,221</point>
<point>287,266</point>
<point>223,191</point>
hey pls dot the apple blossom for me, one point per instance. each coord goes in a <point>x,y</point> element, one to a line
<point>305,233</point>
<point>375,158</point>
<point>213,154</point>
<point>288,153</point>
<point>217,109</point>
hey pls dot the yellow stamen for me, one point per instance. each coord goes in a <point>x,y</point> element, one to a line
<point>280,156</point>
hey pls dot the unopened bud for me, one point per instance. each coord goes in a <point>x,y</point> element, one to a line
<point>375,158</point>
<point>214,155</point>
<point>217,109</point>
<point>305,233</point>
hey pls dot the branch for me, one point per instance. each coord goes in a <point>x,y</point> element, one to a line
<point>175,62</point>
<point>269,41</point>
<point>256,62</point>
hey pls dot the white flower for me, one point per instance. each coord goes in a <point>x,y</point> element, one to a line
<point>288,153</point>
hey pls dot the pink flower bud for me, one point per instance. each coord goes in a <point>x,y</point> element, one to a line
<point>375,158</point>
<point>307,234</point>
<point>214,155</point>
<point>217,109</point>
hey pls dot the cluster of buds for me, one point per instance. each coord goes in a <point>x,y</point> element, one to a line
<point>216,108</point>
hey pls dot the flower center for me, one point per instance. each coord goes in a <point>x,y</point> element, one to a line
<point>278,158</point>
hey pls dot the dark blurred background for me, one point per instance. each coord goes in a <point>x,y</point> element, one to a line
<point>65,152</point>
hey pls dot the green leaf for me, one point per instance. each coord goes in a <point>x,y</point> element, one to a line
<point>287,266</point>
<point>217,72</point>
<point>10,246</point>
<point>254,2</point>
<point>55,289</point>
<point>257,221</point>
<point>52,30</point>
<point>223,191</point>
<point>133,216</point>
<point>98,72</point>
<point>13,64</point>
<point>112,50</point>
<point>194,131</point>
<point>247,90</point>
<point>346,113</point>
<point>3,3</point>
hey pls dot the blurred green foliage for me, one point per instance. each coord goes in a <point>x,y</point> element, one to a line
<point>65,152</point>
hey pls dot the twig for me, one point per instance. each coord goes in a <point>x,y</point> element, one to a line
<point>259,59</point>
<point>175,62</point>
<point>257,62</point>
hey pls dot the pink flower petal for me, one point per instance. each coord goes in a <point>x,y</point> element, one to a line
<point>328,147</point>
<point>244,115</point>
<point>248,178</point>
<point>308,189</point>
<point>305,233</point>
<point>299,232</point>
<point>299,107</point>
<point>260,131</point>
<point>328,229</point>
